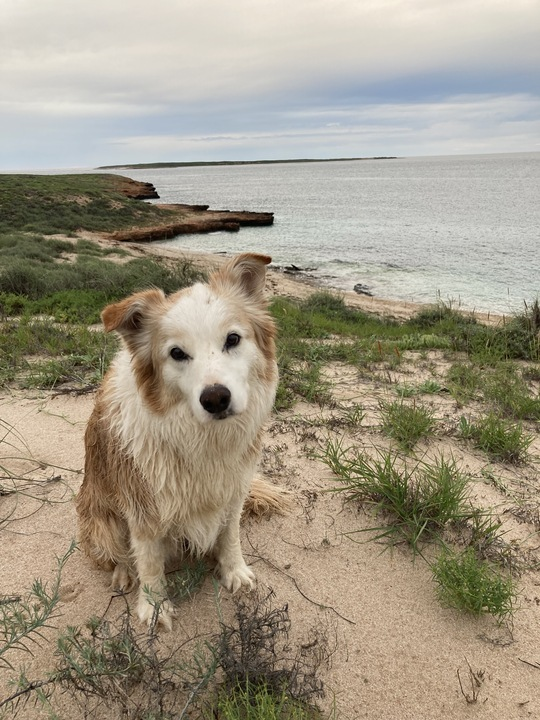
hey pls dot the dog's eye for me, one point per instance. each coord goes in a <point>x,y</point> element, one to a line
<point>178,354</point>
<point>232,340</point>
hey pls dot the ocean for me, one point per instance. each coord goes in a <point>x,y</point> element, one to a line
<point>463,230</point>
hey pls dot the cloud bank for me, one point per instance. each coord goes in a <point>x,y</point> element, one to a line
<point>111,82</point>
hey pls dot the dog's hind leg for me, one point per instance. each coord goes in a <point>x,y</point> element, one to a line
<point>103,530</point>
<point>103,536</point>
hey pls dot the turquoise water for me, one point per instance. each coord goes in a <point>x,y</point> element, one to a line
<point>464,229</point>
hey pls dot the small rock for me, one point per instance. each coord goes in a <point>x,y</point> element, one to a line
<point>361,289</point>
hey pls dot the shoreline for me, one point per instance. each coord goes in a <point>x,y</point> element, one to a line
<point>297,285</point>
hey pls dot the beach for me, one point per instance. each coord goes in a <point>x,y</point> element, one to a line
<point>297,284</point>
<point>387,649</point>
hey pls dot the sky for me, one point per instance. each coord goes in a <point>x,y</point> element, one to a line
<point>84,84</point>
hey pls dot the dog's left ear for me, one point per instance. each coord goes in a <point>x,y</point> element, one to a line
<point>246,272</point>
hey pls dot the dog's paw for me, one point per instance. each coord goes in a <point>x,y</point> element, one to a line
<point>165,609</point>
<point>234,577</point>
<point>121,580</point>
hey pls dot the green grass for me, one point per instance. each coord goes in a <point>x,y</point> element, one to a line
<point>428,387</point>
<point>472,585</point>
<point>419,499</point>
<point>51,290</point>
<point>300,379</point>
<point>36,278</point>
<point>517,338</point>
<point>51,204</point>
<point>443,315</point>
<point>323,315</point>
<point>322,329</point>
<point>507,392</point>
<point>40,353</point>
<point>406,424</point>
<point>464,381</point>
<point>502,440</point>
<point>259,702</point>
<point>420,502</point>
<point>503,385</point>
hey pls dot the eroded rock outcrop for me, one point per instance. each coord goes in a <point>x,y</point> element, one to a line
<point>135,189</point>
<point>190,219</point>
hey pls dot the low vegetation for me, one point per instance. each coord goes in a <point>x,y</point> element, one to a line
<point>49,204</point>
<point>467,583</point>
<point>72,281</point>
<point>417,499</point>
<point>502,440</point>
<point>406,424</point>
<point>236,674</point>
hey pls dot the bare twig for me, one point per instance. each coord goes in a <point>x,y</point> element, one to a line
<point>298,588</point>
<point>86,390</point>
<point>476,680</point>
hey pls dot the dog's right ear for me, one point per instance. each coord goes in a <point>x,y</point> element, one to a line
<point>134,320</point>
<point>128,316</point>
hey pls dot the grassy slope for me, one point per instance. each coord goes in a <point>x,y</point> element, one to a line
<point>69,282</point>
<point>51,204</point>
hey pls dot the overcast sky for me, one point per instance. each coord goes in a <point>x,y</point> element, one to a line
<point>123,81</point>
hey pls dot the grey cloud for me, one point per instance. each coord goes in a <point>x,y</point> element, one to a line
<point>233,67</point>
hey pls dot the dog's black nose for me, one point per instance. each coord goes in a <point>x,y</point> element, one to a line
<point>215,399</point>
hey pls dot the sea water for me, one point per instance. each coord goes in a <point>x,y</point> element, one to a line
<point>461,229</point>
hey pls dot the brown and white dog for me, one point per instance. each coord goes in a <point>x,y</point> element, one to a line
<point>175,435</point>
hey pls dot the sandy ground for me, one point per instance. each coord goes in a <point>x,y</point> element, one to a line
<point>394,652</point>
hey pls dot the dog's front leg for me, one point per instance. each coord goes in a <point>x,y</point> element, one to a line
<point>232,568</point>
<point>149,556</point>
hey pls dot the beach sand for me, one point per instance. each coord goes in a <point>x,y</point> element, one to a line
<point>388,649</point>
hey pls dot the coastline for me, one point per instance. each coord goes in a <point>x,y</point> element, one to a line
<point>296,286</point>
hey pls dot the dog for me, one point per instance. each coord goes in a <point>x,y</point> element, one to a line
<point>175,435</point>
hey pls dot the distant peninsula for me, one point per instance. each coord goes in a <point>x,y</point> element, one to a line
<point>109,205</point>
<point>157,165</point>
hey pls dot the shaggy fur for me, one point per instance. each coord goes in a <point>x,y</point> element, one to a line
<point>175,435</point>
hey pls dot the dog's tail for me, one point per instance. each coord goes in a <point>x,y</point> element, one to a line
<point>265,499</point>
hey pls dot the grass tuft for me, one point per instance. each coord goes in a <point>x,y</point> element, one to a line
<point>419,499</point>
<point>406,424</point>
<point>467,583</point>
<point>503,441</point>
<point>259,702</point>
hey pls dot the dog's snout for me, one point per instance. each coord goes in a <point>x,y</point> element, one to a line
<point>215,399</point>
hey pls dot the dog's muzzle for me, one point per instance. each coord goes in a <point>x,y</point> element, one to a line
<point>216,400</point>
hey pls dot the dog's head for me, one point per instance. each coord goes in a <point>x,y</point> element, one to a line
<point>211,345</point>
